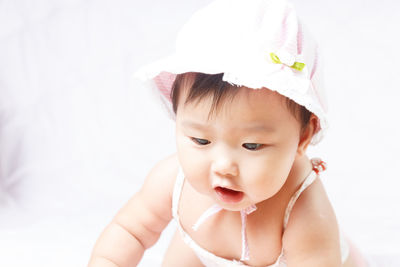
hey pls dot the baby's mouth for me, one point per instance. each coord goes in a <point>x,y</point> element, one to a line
<point>229,195</point>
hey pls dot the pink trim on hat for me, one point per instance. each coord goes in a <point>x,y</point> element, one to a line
<point>164,83</point>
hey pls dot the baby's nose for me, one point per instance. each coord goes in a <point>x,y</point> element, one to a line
<point>225,166</point>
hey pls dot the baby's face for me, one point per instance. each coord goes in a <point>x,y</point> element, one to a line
<point>243,154</point>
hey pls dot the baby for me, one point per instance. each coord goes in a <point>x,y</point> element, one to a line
<point>245,88</point>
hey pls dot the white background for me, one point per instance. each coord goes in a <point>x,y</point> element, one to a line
<point>78,134</point>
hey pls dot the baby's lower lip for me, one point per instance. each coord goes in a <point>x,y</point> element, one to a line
<point>229,195</point>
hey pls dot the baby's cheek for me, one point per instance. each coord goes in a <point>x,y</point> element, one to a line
<point>199,182</point>
<point>196,171</point>
<point>261,181</point>
<point>268,186</point>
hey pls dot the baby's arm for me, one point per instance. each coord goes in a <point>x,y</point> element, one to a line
<point>138,225</point>
<point>312,236</point>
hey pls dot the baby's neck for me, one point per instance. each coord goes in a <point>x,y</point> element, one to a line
<point>301,168</point>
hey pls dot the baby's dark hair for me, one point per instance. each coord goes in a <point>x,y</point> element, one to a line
<point>201,85</point>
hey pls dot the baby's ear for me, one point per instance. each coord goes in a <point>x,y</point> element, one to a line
<point>306,135</point>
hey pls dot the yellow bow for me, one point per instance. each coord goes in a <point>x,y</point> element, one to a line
<point>297,65</point>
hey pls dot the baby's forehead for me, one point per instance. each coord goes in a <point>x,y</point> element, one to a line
<point>233,93</point>
<point>242,103</point>
<point>208,95</point>
<point>248,112</point>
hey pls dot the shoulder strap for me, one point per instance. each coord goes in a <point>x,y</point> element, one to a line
<point>176,195</point>
<point>318,166</point>
<point>307,182</point>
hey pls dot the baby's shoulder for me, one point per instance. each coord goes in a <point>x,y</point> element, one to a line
<point>164,172</point>
<point>311,202</point>
<point>161,179</point>
<point>167,166</point>
<point>312,222</point>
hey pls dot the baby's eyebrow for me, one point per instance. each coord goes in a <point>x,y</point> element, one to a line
<point>257,128</point>
<point>246,128</point>
<point>196,125</point>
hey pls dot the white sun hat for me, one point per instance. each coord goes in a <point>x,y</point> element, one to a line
<point>254,43</point>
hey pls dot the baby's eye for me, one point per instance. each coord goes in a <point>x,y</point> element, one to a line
<point>200,141</point>
<point>252,146</point>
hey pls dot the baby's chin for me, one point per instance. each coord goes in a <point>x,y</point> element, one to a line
<point>245,203</point>
<point>236,200</point>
